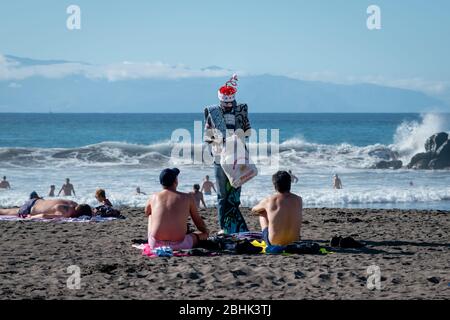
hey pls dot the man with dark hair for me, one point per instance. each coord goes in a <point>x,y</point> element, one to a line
<point>37,207</point>
<point>280,215</point>
<point>168,212</point>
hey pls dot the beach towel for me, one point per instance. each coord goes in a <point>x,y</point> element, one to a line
<point>294,248</point>
<point>147,251</point>
<point>79,219</point>
<point>233,244</point>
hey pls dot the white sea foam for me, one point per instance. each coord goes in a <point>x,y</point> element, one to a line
<point>121,167</point>
<point>409,139</point>
<point>410,136</point>
<point>293,152</point>
<point>253,193</point>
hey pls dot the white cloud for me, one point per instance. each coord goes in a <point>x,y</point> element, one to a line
<point>14,85</point>
<point>13,71</point>
<point>432,87</point>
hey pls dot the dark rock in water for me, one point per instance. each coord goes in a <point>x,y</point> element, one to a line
<point>384,153</point>
<point>444,150</point>
<point>437,155</point>
<point>439,163</point>
<point>394,164</point>
<point>434,142</point>
<point>442,160</point>
<point>421,160</point>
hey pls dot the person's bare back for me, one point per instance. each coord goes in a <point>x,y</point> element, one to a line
<point>281,214</point>
<point>67,189</point>
<point>198,196</point>
<point>48,209</point>
<point>54,208</point>
<point>169,211</point>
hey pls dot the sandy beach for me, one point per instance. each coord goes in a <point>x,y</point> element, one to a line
<point>410,247</point>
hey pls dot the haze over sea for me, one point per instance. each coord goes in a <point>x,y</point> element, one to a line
<point>119,152</point>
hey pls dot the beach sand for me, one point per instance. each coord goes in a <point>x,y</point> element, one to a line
<point>410,247</point>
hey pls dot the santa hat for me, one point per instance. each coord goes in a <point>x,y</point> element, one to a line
<point>227,93</point>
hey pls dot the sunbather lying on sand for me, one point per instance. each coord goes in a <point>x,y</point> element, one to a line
<point>168,213</point>
<point>49,209</point>
<point>280,215</point>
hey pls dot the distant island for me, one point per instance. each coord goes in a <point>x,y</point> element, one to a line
<point>76,91</point>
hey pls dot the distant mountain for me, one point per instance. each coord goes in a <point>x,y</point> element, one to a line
<point>213,68</point>
<point>263,93</point>
<point>32,62</point>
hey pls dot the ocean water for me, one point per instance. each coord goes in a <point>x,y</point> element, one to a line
<point>119,152</point>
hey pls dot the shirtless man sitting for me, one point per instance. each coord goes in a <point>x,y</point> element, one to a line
<point>280,215</point>
<point>169,211</point>
<point>49,209</point>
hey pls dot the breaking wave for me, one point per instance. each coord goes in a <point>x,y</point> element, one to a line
<point>408,140</point>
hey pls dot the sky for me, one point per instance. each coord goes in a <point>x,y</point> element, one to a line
<point>313,40</point>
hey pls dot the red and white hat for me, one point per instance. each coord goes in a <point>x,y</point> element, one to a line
<point>228,92</point>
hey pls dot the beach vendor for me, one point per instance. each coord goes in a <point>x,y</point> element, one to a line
<point>220,122</point>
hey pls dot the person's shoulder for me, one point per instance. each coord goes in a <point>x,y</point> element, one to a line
<point>154,195</point>
<point>299,199</point>
<point>296,196</point>
<point>185,194</point>
<point>242,106</point>
<point>210,106</point>
<point>188,197</point>
<point>269,199</point>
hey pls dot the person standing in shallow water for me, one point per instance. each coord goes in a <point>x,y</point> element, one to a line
<point>294,179</point>
<point>207,186</point>
<point>67,188</point>
<point>337,183</point>
<point>51,193</point>
<point>225,117</point>
<point>4,184</point>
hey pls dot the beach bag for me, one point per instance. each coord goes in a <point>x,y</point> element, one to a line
<point>108,212</point>
<point>236,163</point>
